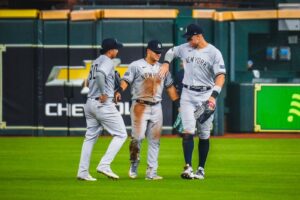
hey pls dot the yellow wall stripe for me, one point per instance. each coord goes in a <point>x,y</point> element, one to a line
<point>140,13</point>
<point>86,15</point>
<point>203,14</point>
<point>289,13</point>
<point>257,14</point>
<point>246,15</point>
<point>18,13</point>
<point>54,14</point>
<point>222,16</point>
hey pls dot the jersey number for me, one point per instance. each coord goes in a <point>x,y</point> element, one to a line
<point>92,71</point>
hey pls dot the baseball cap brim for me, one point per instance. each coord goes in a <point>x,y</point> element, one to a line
<point>157,51</point>
<point>119,45</point>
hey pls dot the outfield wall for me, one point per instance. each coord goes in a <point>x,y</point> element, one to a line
<point>47,54</point>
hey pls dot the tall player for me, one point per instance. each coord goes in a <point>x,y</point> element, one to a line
<point>204,77</point>
<point>146,111</point>
<point>100,111</point>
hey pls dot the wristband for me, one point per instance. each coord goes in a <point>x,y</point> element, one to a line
<point>216,91</point>
<point>214,94</point>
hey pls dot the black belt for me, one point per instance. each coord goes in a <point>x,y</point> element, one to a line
<point>147,102</point>
<point>97,99</point>
<point>197,88</point>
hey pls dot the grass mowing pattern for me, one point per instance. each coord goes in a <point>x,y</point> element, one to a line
<point>45,168</point>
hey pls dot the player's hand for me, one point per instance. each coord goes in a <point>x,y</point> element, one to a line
<point>103,98</point>
<point>118,97</point>
<point>212,103</point>
<point>163,70</point>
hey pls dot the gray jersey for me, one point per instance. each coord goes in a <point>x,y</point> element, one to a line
<point>105,65</point>
<point>145,82</point>
<point>201,66</point>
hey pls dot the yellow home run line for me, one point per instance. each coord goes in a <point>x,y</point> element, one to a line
<point>296,96</point>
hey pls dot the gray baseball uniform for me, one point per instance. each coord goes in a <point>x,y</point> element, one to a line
<point>100,115</point>
<point>201,66</point>
<point>147,87</point>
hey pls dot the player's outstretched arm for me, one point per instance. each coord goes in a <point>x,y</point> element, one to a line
<point>164,69</point>
<point>166,64</point>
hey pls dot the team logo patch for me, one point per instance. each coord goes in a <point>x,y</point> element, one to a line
<point>222,66</point>
<point>158,45</point>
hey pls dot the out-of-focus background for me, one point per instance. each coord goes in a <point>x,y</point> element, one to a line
<point>47,46</point>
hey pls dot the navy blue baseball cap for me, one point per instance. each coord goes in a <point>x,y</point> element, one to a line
<point>155,46</point>
<point>192,29</point>
<point>110,43</point>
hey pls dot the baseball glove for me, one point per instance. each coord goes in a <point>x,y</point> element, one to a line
<point>178,124</point>
<point>204,111</point>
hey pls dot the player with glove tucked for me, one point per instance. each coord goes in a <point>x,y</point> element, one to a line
<point>204,77</point>
<point>146,110</point>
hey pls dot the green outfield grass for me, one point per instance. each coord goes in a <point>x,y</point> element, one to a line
<point>45,168</point>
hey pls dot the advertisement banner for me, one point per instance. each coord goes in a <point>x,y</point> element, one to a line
<point>277,108</point>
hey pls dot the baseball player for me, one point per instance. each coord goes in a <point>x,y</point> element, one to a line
<point>204,77</point>
<point>146,110</point>
<point>100,111</point>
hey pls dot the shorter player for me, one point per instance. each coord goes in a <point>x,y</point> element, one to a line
<point>146,110</point>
